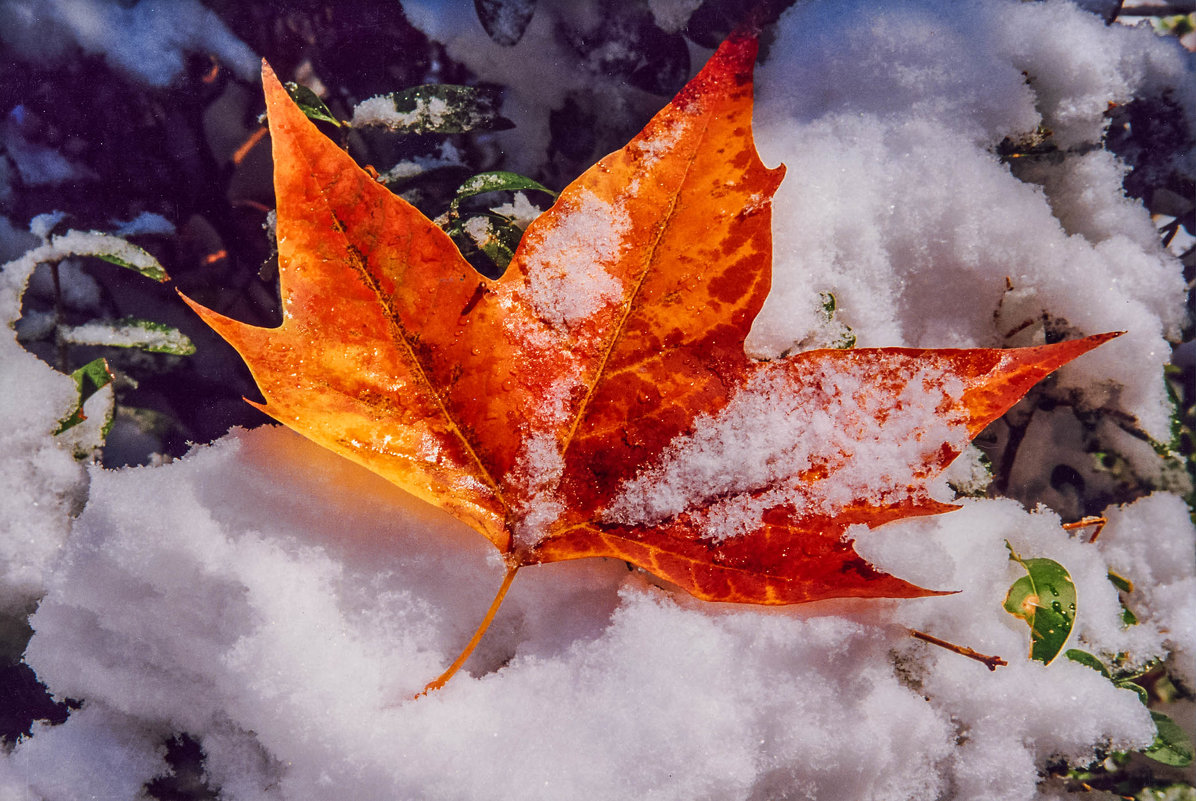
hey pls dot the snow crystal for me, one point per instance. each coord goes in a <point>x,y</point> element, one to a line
<point>43,224</point>
<point>447,155</point>
<point>104,751</point>
<point>567,269</point>
<point>1150,543</point>
<point>478,229</point>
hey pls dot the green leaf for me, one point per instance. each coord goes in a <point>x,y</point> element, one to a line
<point>1128,618</point>
<point>499,181</point>
<point>1046,600</point>
<point>492,234</point>
<point>433,108</point>
<point>89,379</point>
<point>1171,745</point>
<point>1087,659</point>
<point>310,103</point>
<point>131,332</point>
<point>122,253</point>
<point>1143,696</point>
<point>845,337</point>
<point>846,340</point>
<point>828,304</point>
<point>1121,582</point>
<point>1175,791</point>
<point>1123,682</point>
<point>495,181</point>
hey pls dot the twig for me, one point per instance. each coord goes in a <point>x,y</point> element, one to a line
<point>243,151</point>
<point>991,662</point>
<point>1085,522</point>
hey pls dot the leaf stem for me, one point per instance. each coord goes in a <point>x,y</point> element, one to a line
<point>991,662</point>
<point>477,635</point>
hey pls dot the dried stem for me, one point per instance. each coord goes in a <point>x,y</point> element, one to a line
<point>991,662</point>
<point>477,635</point>
<point>1097,523</point>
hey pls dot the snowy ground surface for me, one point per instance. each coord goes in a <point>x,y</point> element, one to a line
<point>281,605</point>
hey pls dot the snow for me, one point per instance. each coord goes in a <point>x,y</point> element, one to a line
<point>890,118</point>
<point>147,40</point>
<point>446,156</point>
<point>429,113</point>
<point>41,484</point>
<point>282,591</point>
<point>519,210</point>
<point>282,606</point>
<point>671,15</point>
<point>37,165</point>
<point>539,470</point>
<point>151,337</point>
<point>144,224</point>
<point>781,428</point>
<point>567,272</point>
<point>561,72</point>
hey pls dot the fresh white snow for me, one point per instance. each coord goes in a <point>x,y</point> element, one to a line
<point>282,606</point>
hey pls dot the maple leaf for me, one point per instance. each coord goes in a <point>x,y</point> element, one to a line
<point>589,401</point>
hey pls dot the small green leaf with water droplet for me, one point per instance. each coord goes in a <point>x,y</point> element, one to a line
<point>1046,599</point>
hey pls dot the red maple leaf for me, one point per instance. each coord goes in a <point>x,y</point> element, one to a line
<point>596,399</point>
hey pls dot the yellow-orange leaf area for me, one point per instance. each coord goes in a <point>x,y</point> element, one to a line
<point>543,408</point>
